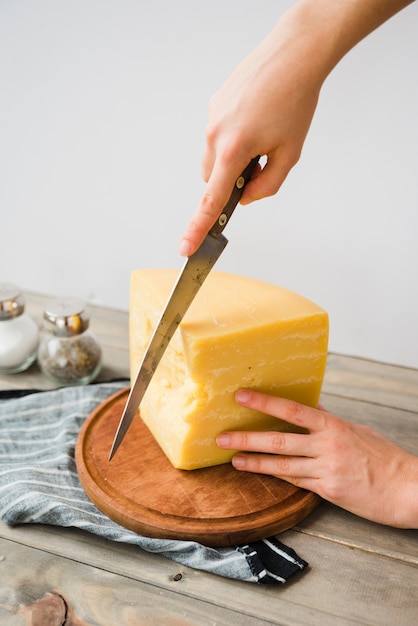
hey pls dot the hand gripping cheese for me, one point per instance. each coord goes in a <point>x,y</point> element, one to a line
<point>238,332</point>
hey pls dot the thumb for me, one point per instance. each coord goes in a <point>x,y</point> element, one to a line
<point>217,193</point>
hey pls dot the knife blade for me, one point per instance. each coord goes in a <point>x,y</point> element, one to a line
<point>191,278</point>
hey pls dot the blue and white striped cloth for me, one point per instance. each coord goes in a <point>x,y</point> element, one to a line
<point>39,484</point>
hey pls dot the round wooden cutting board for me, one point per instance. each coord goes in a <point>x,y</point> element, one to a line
<point>140,489</point>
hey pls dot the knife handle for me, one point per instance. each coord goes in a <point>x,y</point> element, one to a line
<point>235,197</point>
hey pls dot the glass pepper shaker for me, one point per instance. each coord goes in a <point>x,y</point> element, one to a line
<point>19,334</point>
<point>69,353</point>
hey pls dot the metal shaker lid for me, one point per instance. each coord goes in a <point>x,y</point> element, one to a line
<point>12,302</point>
<point>66,317</point>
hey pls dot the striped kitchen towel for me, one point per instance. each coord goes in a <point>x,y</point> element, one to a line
<point>39,484</point>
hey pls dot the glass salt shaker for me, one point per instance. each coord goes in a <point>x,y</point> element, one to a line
<point>19,334</point>
<point>69,353</point>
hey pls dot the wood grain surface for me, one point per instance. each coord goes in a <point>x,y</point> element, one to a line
<point>141,490</point>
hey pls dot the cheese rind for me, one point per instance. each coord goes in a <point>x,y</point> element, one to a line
<point>238,332</point>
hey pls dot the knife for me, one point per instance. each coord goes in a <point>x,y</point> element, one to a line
<point>191,278</point>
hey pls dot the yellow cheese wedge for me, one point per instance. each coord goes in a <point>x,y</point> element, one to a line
<point>238,332</point>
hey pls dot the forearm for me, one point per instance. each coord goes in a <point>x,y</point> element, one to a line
<point>330,28</point>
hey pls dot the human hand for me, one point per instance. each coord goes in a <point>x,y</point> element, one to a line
<point>264,108</point>
<point>347,464</point>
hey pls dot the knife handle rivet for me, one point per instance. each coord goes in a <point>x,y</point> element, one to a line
<point>222,219</point>
<point>240,182</point>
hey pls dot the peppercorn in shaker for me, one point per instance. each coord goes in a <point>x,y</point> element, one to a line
<point>19,334</point>
<point>69,353</point>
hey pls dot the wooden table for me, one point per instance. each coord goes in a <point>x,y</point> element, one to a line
<point>360,572</point>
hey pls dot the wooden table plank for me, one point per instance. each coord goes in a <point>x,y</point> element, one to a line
<point>343,585</point>
<point>334,524</point>
<point>381,383</point>
<point>33,580</point>
<point>357,586</point>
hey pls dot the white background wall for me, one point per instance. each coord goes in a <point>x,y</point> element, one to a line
<point>102,115</point>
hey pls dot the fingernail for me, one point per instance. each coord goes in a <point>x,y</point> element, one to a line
<point>185,247</point>
<point>239,461</point>
<point>242,396</point>
<point>223,440</point>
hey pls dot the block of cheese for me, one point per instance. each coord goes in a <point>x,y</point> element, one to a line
<point>238,332</point>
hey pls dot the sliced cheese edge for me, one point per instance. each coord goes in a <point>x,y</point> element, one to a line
<point>238,332</point>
